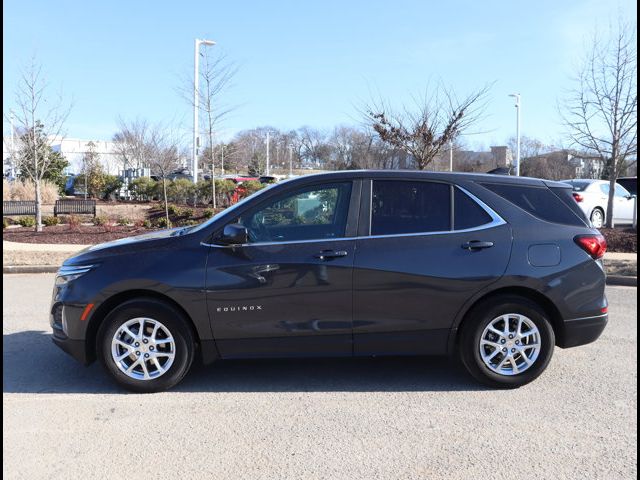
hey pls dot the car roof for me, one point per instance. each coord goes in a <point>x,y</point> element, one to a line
<point>424,175</point>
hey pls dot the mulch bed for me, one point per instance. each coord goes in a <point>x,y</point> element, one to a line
<point>621,239</point>
<point>82,235</point>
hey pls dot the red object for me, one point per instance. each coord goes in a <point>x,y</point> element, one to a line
<point>604,309</point>
<point>85,312</point>
<point>594,245</point>
<point>577,197</point>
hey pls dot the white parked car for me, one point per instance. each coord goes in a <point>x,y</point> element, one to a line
<point>592,197</point>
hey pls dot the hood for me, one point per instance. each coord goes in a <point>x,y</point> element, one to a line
<point>127,245</point>
<point>174,232</point>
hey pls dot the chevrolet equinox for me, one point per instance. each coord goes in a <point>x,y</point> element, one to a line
<point>498,270</point>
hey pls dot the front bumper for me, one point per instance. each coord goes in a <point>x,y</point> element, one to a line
<point>581,331</point>
<point>74,347</point>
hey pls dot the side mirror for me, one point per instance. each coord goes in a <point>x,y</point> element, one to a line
<point>234,234</point>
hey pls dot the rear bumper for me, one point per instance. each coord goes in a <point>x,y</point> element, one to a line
<point>581,331</point>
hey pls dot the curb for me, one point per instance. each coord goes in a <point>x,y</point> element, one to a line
<point>29,268</point>
<point>622,280</point>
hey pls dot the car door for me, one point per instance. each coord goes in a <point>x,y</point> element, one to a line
<point>622,203</point>
<point>421,259</point>
<point>288,291</point>
<point>623,210</point>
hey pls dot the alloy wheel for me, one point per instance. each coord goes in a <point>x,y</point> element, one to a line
<point>143,348</point>
<point>510,344</point>
<point>597,218</point>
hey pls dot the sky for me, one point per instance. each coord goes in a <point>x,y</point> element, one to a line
<point>304,63</point>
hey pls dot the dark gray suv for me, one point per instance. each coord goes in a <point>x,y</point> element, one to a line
<point>498,270</point>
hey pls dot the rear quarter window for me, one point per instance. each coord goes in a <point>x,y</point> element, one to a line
<point>540,202</point>
<point>467,213</point>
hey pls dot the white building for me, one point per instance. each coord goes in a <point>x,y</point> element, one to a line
<point>73,150</point>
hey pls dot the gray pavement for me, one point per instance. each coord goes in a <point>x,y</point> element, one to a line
<point>307,419</point>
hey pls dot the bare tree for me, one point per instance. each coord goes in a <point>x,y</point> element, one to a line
<point>425,128</point>
<point>40,118</point>
<point>164,157</point>
<point>601,112</point>
<point>216,73</point>
<point>131,144</point>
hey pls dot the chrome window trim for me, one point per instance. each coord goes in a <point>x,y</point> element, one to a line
<point>496,221</point>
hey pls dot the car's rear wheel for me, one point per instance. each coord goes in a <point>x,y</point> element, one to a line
<point>597,217</point>
<point>146,345</point>
<point>506,341</point>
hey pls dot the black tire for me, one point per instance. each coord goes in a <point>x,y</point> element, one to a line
<point>476,322</point>
<point>171,319</point>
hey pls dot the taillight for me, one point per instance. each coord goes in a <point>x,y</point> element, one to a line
<point>594,245</point>
<point>577,197</point>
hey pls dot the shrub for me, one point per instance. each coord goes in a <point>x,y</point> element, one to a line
<point>123,221</point>
<point>189,223</point>
<point>224,191</point>
<point>96,183</point>
<point>174,210</point>
<point>187,212</point>
<point>74,222</point>
<point>250,187</point>
<point>27,221</point>
<point>99,220</point>
<point>5,223</point>
<point>51,221</point>
<point>112,186</point>
<point>147,224</point>
<point>162,223</point>
<point>143,188</point>
<point>180,190</point>
<point>207,212</point>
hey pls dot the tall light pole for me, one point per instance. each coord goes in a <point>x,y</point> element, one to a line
<point>222,159</point>
<point>451,155</point>
<point>196,102</point>
<point>267,154</point>
<point>517,97</point>
<point>290,161</point>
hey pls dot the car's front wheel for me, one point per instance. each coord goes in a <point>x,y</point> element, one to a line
<point>146,345</point>
<point>506,341</point>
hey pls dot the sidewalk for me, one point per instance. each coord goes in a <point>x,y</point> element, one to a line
<point>36,254</point>
<point>39,257</point>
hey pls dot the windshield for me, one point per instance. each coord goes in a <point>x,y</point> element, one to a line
<point>202,226</point>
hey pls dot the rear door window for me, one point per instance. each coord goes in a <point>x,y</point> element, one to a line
<point>538,201</point>
<point>410,207</point>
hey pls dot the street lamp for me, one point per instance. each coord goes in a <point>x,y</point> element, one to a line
<point>196,99</point>
<point>517,97</point>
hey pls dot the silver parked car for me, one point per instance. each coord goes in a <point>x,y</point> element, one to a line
<point>592,197</point>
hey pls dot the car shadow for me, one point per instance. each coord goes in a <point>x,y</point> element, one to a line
<point>33,364</point>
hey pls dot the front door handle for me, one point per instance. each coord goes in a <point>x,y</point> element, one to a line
<point>329,254</point>
<point>476,245</point>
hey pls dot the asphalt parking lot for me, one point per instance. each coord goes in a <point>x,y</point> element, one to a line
<point>362,418</point>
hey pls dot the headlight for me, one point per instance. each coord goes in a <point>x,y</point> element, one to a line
<point>68,273</point>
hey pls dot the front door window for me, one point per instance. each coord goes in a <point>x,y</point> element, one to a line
<point>314,213</point>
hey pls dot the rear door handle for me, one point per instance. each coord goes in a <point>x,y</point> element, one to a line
<point>476,245</point>
<point>329,254</point>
